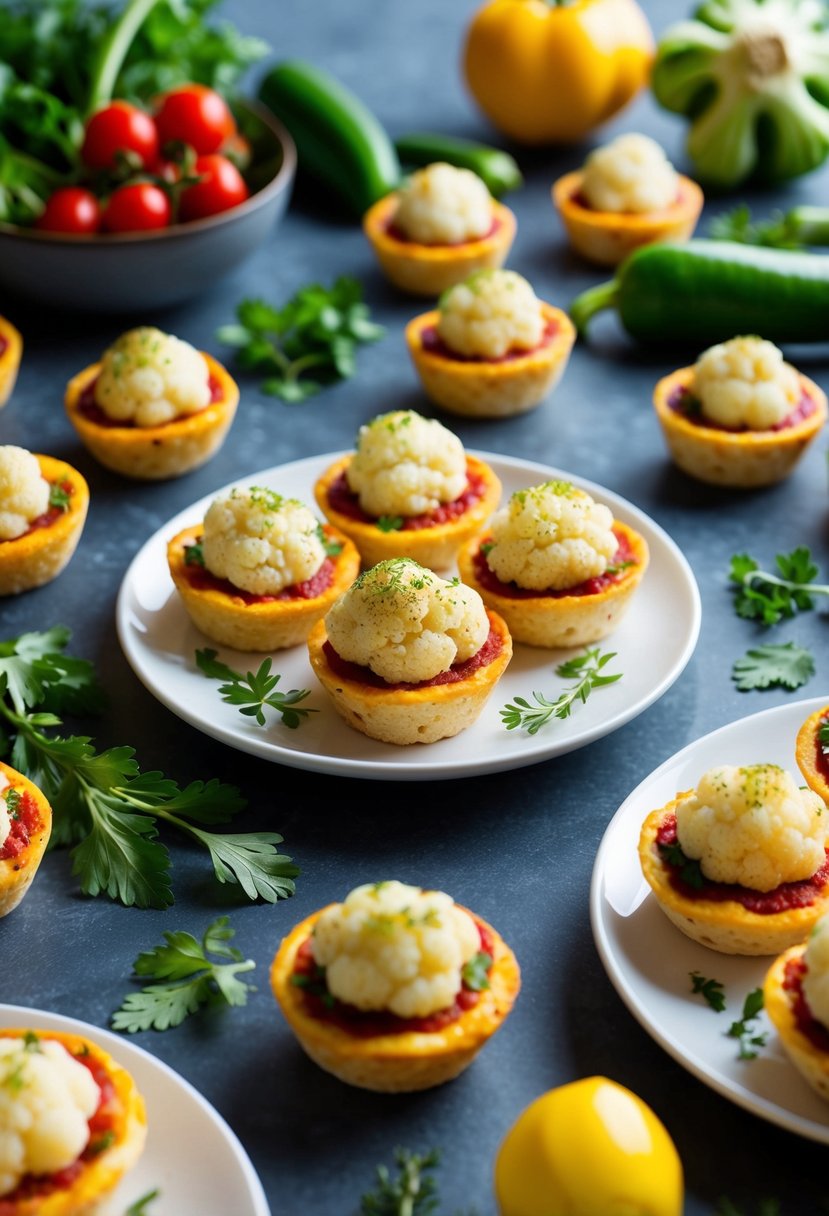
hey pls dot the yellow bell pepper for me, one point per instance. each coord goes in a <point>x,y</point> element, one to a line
<point>548,74</point>
<point>591,1148</point>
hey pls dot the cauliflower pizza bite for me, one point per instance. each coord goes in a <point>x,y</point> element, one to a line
<point>43,505</point>
<point>11,349</point>
<point>260,570</point>
<point>396,988</point>
<point>555,565</point>
<point>796,999</point>
<point>71,1124</point>
<point>409,490</point>
<point>154,407</point>
<point>439,227</point>
<point>740,416</point>
<point>628,194</point>
<point>25,827</point>
<point>492,348</point>
<point>407,657</point>
<point>739,864</point>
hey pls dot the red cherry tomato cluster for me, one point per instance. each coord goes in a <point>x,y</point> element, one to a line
<point>148,170</point>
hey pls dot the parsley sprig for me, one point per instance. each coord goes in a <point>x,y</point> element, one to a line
<point>782,666</point>
<point>712,991</point>
<point>745,1029</point>
<point>253,691</point>
<point>317,331</point>
<point>586,669</point>
<point>104,807</point>
<point>769,596</point>
<point>184,979</point>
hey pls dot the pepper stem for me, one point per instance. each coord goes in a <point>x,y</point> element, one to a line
<point>594,300</point>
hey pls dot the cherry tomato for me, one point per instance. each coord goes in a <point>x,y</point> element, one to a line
<point>195,115</point>
<point>119,127</point>
<point>221,187</point>
<point>238,149</point>
<point>71,209</point>
<point>139,207</point>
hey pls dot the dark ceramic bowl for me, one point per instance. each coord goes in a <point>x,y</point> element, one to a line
<point>145,270</point>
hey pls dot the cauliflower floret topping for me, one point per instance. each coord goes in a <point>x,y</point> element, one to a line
<point>631,174</point>
<point>745,383</point>
<point>46,1098</point>
<point>816,979</point>
<point>395,947</point>
<point>492,313</point>
<point>551,537</point>
<point>752,826</point>
<point>148,378</point>
<point>406,465</point>
<point>405,623</point>
<point>24,491</point>
<point>260,541</point>
<point>442,205</point>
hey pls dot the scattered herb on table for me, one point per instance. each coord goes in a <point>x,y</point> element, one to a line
<point>586,669</point>
<point>139,1208</point>
<point>253,691</point>
<point>317,332</point>
<point>711,991</point>
<point>412,1192</point>
<point>103,805</point>
<point>823,737</point>
<point>184,979</point>
<point>773,666</point>
<point>794,229</point>
<point>768,596</point>
<point>745,1029</point>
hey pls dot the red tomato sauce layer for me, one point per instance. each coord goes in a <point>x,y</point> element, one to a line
<point>27,823</point>
<point>101,1130</point>
<point>786,897</point>
<point>398,234</point>
<point>458,671</point>
<point>807,1024</point>
<point>91,410</point>
<point>320,1004</point>
<point>433,344</point>
<point>341,498</point>
<point>3,345</point>
<point>681,401</point>
<point>202,580</point>
<point>591,586</point>
<point>821,755</point>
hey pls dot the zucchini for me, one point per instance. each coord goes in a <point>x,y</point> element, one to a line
<point>498,170</point>
<point>339,141</point>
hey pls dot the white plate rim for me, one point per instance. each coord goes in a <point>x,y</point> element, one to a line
<point>740,1095</point>
<point>397,768</point>
<point>127,1053</point>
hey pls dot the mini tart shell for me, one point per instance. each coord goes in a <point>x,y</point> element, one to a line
<point>427,270</point>
<point>809,1060</point>
<point>724,925</point>
<point>740,459</point>
<point>9,359</point>
<point>434,547</point>
<point>396,1063</point>
<point>561,620</point>
<point>492,388</point>
<point>39,556</point>
<point>16,873</point>
<point>607,237</point>
<point>87,1194</point>
<point>410,715</point>
<point>274,625</point>
<point>805,751</point>
<point>154,453</point>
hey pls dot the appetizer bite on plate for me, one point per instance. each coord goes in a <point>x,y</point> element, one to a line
<point>409,490</point>
<point>492,348</point>
<point>395,989</point>
<point>628,194</point>
<point>812,752</point>
<point>796,998</point>
<point>154,407</point>
<point>740,416</point>
<point>740,864</point>
<point>555,565</point>
<point>260,570</point>
<point>442,225</point>
<point>11,349</point>
<point>409,658</point>
<point>25,828</point>
<point>71,1124</point>
<point>43,505</point>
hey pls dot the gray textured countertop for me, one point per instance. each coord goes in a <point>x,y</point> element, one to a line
<point>517,847</point>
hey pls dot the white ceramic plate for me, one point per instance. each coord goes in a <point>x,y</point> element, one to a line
<point>649,960</point>
<point>192,1157</point>
<point>654,643</point>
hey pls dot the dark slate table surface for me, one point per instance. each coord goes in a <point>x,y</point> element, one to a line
<point>519,846</point>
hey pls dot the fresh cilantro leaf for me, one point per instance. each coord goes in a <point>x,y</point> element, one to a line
<point>184,979</point>
<point>475,972</point>
<point>767,596</point>
<point>711,990</point>
<point>194,554</point>
<point>690,871</point>
<point>59,498</point>
<point>139,1208</point>
<point>586,669</point>
<point>389,523</point>
<point>252,692</point>
<point>745,1031</point>
<point>411,1192</point>
<point>332,547</point>
<point>783,666</point>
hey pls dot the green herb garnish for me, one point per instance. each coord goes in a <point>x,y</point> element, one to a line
<point>389,523</point>
<point>768,597</point>
<point>253,691</point>
<point>332,547</point>
<point>711,991</point>
<point>773,666</point>
<point>585,669</point>
<point>193,554</point>
<point>475,972</point>
<point>101,1144</point>
<point>58,498</point>
<point>690,872</point>
<point>139,1208</point>
<point>823,737</point>
<point>745,1031</point>
<point>411,1192</point>
<point>13,798</point>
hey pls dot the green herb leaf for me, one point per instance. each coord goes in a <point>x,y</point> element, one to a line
<point>332,547</point>
<point>59,498</point>
<point>139,1208</point>
<point>711,990</point>
<point>586,669</point>
<point>475,972</point>
<point>194,554</point>
<point>745,1031</point>
<point>255,690</point>
<point>823,737</point>
<point>768,597</point>
<point>389,523</point>
<point>690,871</point>
<point>782,666</point>
<point>411,1192</point>
<point>778,232</point>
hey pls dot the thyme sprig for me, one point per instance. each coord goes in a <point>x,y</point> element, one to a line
<point>586,669</point>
